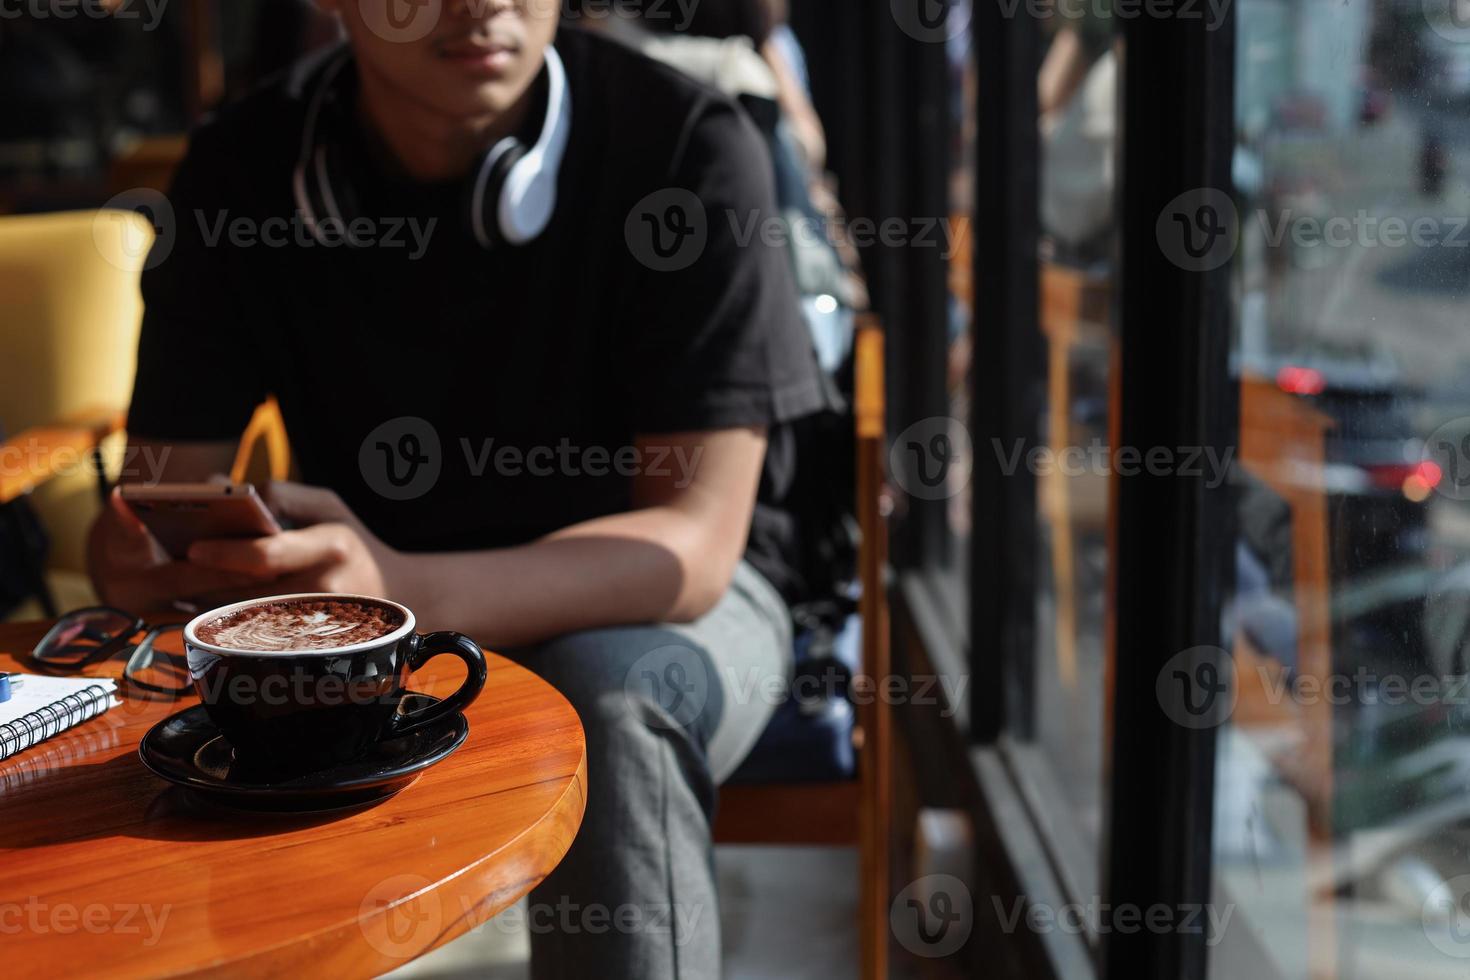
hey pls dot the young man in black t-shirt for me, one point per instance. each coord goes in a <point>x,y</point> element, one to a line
<point>530,400</point>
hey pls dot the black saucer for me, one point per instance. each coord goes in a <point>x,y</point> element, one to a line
<point>187,749</point>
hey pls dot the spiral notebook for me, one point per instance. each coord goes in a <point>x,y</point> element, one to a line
<point>45,706</point>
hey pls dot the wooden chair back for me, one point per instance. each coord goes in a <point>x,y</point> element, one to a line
<point>860,812</point>
<point>267,429</point>
<point>875,718</point>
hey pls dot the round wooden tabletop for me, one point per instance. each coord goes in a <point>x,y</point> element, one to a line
<point>107,870</point>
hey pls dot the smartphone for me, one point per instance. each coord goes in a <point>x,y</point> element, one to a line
<point>178,514</point>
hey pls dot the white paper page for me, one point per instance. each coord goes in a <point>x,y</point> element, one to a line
<point>36,692</point>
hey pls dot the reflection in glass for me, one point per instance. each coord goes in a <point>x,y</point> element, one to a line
<point>1343,781</point>
<point>958,329</point>
<point>1062,732</point>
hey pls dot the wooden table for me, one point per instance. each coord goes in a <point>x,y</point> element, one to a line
<point>107,870</point>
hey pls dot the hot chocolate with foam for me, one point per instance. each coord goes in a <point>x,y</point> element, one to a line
<point>300,625</point>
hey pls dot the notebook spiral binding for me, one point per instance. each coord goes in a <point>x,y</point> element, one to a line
<point>52,719</point>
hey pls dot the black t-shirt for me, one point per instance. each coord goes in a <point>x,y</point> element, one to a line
<point>458,398</point>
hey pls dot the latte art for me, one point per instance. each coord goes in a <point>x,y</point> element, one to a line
<point>306,624</point>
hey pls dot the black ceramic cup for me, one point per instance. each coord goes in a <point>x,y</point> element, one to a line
<point>297,711</point>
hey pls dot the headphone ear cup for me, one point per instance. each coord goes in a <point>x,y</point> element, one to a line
<point>483,207</point>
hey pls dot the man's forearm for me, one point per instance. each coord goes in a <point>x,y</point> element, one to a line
<point>652,565</point>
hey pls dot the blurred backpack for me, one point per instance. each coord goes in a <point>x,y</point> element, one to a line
<point>821,494</point>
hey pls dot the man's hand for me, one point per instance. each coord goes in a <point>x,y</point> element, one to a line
<point>330,551</point>
<point>130,570</point>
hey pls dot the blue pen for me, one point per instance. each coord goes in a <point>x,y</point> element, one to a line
<point>8,683</point>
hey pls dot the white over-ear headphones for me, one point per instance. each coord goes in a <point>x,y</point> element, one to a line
<point>513,195</point>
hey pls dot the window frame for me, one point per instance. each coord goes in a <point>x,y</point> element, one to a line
<point>1176,104</point>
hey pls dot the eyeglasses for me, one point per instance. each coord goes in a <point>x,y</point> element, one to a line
<point>156,662</point>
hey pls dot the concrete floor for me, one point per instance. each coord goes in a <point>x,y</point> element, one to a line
<point>788,913</point>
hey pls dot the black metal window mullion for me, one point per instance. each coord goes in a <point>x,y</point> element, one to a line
<point>910,157</point>
<point>1006,374</point>
<point>1174,544</point>
<point>924,340</point>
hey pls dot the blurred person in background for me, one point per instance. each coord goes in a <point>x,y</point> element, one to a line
<point>1077,94</point>
<point>745,49</point>
<point>764,24</point>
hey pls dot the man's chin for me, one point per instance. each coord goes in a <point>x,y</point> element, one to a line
<point>484,101</point>
<point>458,97</point>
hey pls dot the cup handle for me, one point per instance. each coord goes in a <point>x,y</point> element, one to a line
<point>426,648</point>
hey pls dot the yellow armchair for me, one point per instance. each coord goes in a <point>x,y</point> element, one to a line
<point>70,310</point>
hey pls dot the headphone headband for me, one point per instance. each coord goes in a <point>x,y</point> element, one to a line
<point>513,195</point>
<point>310,172</point>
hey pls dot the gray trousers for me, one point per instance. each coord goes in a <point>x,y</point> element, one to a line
<point>669,712</point>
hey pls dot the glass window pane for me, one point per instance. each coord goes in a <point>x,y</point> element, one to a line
<point>961,273</point>
<point>1060,729</point>
<point>1343,784</point>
